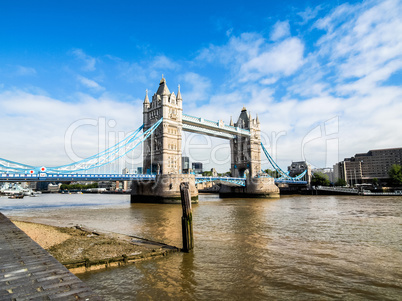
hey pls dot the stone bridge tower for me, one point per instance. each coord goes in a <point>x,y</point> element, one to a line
<point>162,150</point>
<point>246,151</point>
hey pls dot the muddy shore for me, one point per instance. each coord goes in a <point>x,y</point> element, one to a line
<point>82,250</point>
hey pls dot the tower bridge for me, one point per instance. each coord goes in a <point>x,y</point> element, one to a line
<point>162,153</point>
<point>161,137</point>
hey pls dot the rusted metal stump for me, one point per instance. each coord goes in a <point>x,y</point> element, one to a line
<point>187,218</point>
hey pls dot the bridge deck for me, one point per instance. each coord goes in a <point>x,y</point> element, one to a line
<point>28,272</point>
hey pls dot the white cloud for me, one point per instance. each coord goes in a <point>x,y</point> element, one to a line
<point>309,14</point>
<point>25,71</point>
<point>295,85</point>
<point>250,57</point>
<point>89,83</point>
<point>89,61</point>
<point>162,62</point>
<point>280,30</point>
<point>268,81</point>
<point>196,88</point>
<point>37,125</point>
<point>343,78</point>
<point>237,51</point>
<point>284,58</point>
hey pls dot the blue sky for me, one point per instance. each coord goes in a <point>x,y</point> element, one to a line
<point>324,76</point>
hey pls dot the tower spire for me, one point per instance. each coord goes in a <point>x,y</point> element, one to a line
<point>179,94</point>
<point>231,121</point>
<point>146,100</point>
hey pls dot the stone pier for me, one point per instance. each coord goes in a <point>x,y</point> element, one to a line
<point>255,188</point>
<point>165,189</point>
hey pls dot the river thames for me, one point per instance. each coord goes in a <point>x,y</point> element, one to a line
<point>292,248</point>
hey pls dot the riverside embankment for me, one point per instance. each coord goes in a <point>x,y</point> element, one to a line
<point>82,250</point>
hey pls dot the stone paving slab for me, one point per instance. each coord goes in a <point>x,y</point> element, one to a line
<point>28,272</point>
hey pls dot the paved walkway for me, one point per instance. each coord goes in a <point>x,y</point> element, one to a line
<point>28,272</point>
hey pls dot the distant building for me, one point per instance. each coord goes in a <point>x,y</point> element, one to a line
<point>47,187</point>
<point>125,183</point>
<point>197,167</point>
<point>296,168</point>
<point>364,167</point>
<point>185,163</point>
<point>108,185</point>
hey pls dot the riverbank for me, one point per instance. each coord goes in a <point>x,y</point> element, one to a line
<point>81,250</point>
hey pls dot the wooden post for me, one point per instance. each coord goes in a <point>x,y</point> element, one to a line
<point>187,218</point>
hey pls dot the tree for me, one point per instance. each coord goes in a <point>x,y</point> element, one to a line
<point>375,181</point>
<point>395,173</point>
<point>272,173</point>
<point>340,182</point>
<point>207,173</point>
<point>319,179</point>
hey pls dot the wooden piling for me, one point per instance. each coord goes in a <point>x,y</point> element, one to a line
<point>187,218</point>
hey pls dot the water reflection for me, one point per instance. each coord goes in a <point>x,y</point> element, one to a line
<point>294,248</point>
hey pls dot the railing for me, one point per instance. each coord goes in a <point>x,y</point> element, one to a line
<point>338,189</point>
<point>72,177</point>
<point>237,181</point>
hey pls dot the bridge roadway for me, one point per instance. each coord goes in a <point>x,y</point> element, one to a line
<point>28,272</point>
<point>49,177</point>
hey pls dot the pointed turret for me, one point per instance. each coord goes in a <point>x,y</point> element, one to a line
<point>179,94</point>
<point>258,120</point>
<point>163,88</point>
<point>231,121</point>
<point>146,100</point>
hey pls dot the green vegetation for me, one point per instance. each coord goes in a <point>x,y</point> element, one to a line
<point>395,174</point>
<point>225,174</point>
<point>340,182</point>
<point>272,173</point>
<point>375,181</point>
<point>78,186</point>
<point>320,179</point>
<point>207,173</point>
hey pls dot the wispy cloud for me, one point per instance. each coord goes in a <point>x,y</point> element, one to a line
<point>359,47</point>
<point>147,71</point>
<point>197,88</point>
<point>309,14</point>
<point>280,30</point>
<point>163,62</point>
<point>283,59</point>
<point>40,123</point>
<point>24,71</point>
<point>89,83</point>
<point>88,61</point>
<point>345,66</point>
<point>250,57</point>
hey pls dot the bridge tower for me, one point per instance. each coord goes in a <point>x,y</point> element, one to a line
<point>162,152</point>
<point>246,151</point>
<point>246,162</point>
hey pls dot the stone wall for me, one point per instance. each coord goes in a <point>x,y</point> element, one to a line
<point>165,189</point>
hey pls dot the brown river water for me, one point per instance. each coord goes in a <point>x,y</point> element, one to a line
<point>292,248</point>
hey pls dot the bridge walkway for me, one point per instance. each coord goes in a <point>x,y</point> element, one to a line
<point>28,272</point>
